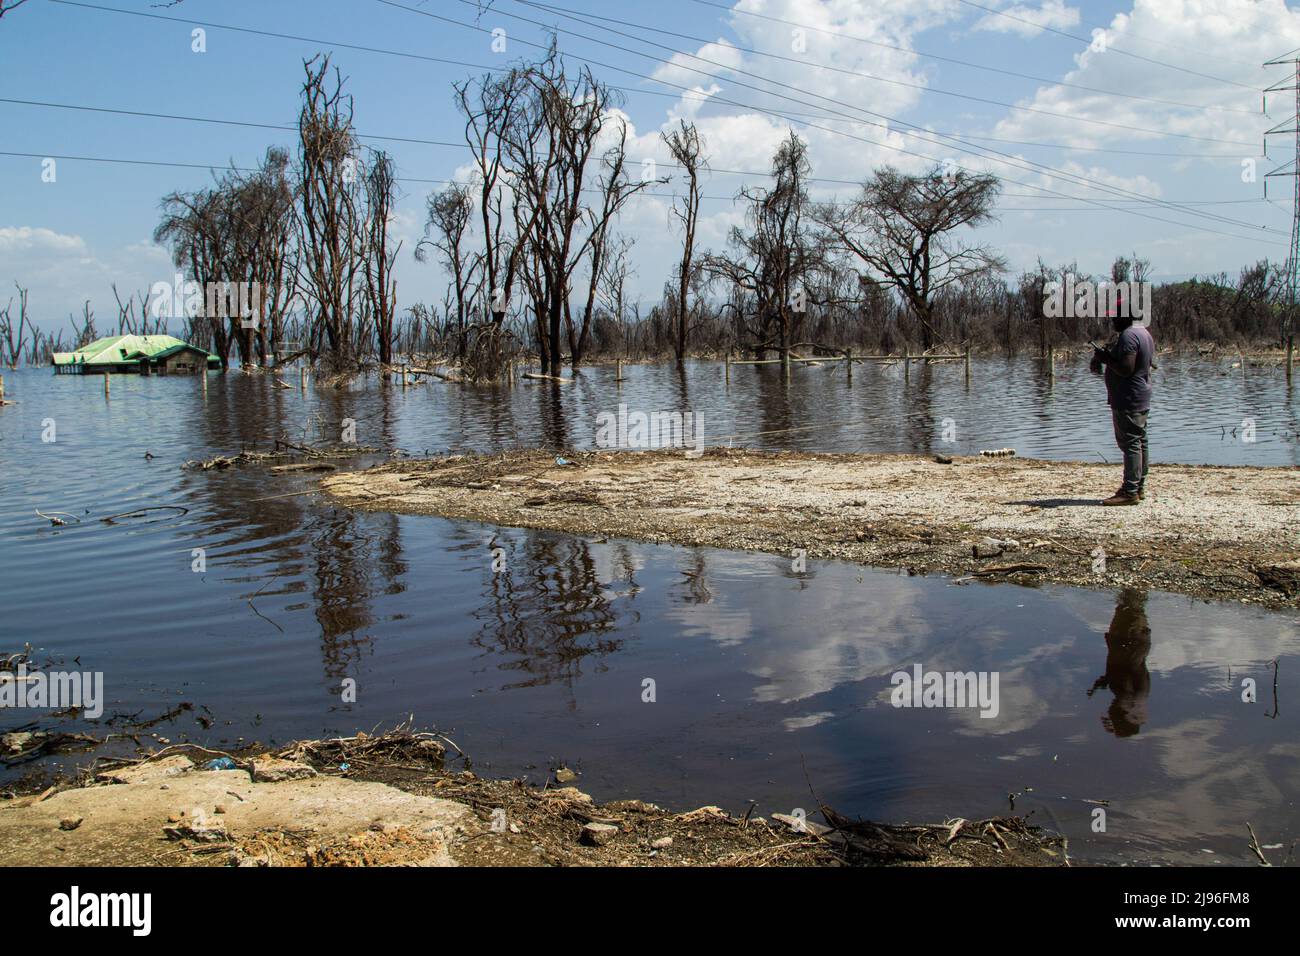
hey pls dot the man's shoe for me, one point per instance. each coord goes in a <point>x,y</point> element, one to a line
<point>1121,499</point>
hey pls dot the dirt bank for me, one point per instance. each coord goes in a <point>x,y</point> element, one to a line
<point>1212,532</point>
<point>388,801</point>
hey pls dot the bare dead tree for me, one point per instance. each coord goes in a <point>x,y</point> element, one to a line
<point>614,189</point>
<point>449,214</point>
<point>240,230</point>
<point>774,260</point>
<point>194,225</point>
<point>380,253</point>
<point>687,149</point>
<point>85,331</point>
<point>329,196</point>
<point>12,337</point>
<point>262,219</point>
<point>494,111</point>
<point>552,153</point>
<point>900,229</point>
<point>8,6</point>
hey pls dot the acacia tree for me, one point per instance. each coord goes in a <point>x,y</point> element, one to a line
<point>899,230</point>
<point>612,288</point>
<point>687,149</point>
<point>555,150</point>
<point>773,261</point>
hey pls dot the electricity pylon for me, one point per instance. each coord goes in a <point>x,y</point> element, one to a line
<point>1291,169</point>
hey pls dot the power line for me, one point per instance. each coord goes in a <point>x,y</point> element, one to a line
<point>453,145</point>
<point>271,34</point>
<point>763,16</point>
<point>1020,164</point>
<point>265,33</point>
<point>1010,161</point>
<point>211,167</point>
<point>732,69</point>
<point>1017,163</point>
<point>1114,49</point>
<point>917,86</point>
<point>218,122</point>
<point>1040,189</point>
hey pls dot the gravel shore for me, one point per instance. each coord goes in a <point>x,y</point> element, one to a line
<point>1208,531</point>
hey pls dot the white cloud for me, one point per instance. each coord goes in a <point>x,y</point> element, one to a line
<point>62,271</point>
<point>1236,32</point>
<point>20,240</point>
<point>1030,20</point>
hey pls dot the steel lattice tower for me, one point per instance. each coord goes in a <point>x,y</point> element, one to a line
<point>1291,169</point>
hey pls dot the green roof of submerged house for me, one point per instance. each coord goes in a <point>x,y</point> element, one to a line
<point>125,349</point>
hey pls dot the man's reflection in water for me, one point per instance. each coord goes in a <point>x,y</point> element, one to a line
<point>1127,644</point>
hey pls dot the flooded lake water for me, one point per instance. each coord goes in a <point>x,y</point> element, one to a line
<point>766,680</point>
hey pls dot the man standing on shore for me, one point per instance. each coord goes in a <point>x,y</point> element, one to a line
<point>1127,363</point>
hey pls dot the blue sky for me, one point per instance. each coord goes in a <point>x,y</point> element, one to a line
<point>68,240</point>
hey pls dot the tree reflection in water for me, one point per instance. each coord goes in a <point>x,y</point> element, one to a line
<point>547,609</point>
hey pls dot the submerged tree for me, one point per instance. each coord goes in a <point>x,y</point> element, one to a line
<point>775,259</point>
<point>687,149</point>
<point>494,108</point>
<point>900,229</point>
<point>542,140</point>
<point>11,336</point>
<point>378,254</point>
<point>331,233</point>
<point>555,153</point>
<point>240,230</point>
<point>449,214</point>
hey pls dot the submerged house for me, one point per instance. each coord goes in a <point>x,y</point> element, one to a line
<point>143,354</point>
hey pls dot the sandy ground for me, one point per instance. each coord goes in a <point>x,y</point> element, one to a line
<point>1214,532</point>
<point>396,805</point>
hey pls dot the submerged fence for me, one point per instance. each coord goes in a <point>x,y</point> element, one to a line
<point>848,358</point>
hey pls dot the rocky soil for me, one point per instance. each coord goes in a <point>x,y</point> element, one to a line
<point>388,800</point>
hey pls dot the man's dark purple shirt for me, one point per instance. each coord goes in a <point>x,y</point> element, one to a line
<point>1132,393</point>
